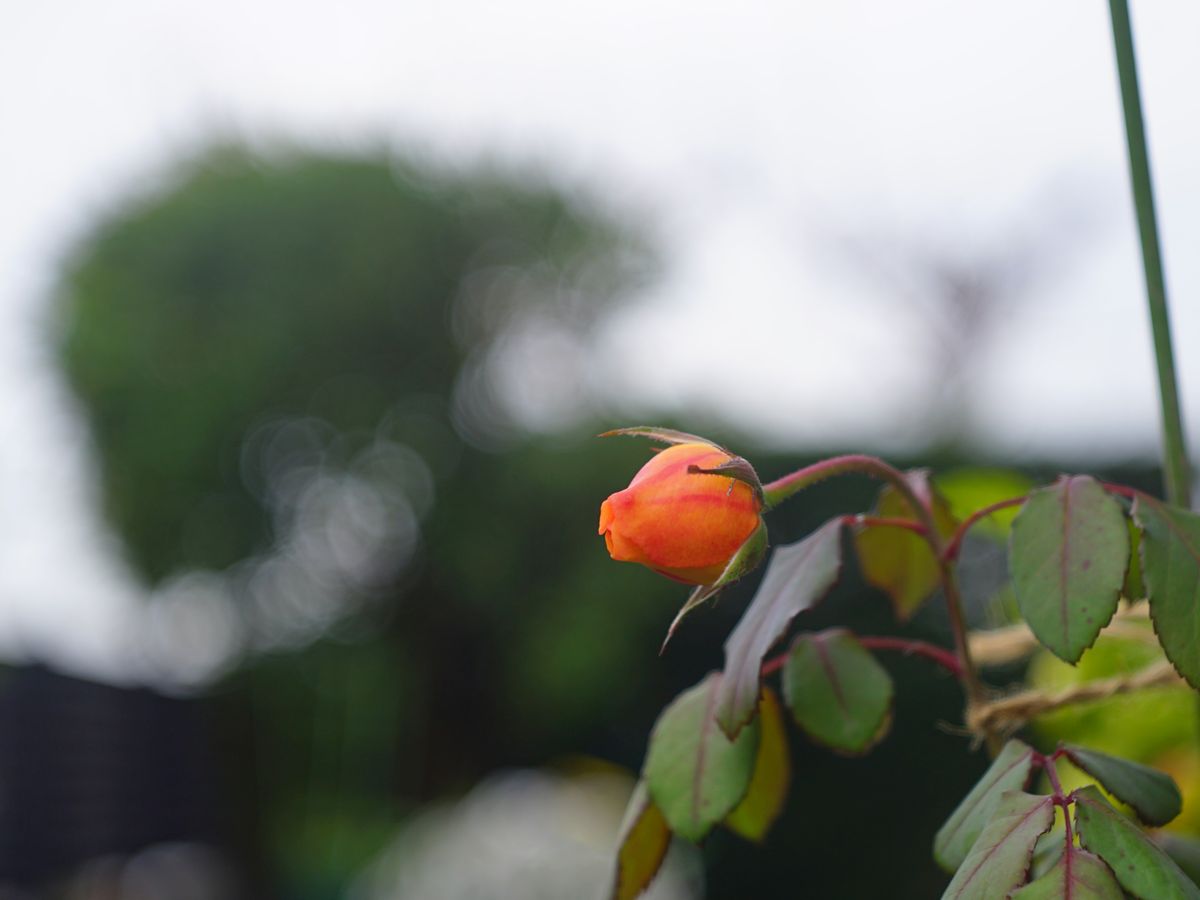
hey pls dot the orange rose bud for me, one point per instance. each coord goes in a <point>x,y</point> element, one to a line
<point>684,525</point>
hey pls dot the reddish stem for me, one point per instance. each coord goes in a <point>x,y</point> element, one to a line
<point>1122,491</point>
<point>955,544</point>
<point>779,490</point>
<point>1047,764</point>
<point>782,488</point>
<point>774,664</point>
<point>775,492</point>
<point>942,657</point>
<point>939,655</point>
<point>1060,799</point>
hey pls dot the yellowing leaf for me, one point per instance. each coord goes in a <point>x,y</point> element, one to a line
<point>969,490</point>
<point>641,847</point>
<point>897,561</point>
<point>764,799</point>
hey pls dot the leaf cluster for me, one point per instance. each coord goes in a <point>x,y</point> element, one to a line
<point>999,841</point>
<point>718,755</point>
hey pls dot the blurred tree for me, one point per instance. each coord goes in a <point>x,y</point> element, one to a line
<point>344,292</point>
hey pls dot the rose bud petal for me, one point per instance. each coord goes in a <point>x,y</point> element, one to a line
<point>682,524</point>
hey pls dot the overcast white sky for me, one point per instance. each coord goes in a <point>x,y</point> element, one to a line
<point>759,138</point>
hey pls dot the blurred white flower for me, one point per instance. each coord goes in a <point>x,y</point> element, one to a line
<point>523,835</point>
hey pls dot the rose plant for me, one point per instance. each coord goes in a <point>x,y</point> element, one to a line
<point>718,755</point>
<point>1084,556</point>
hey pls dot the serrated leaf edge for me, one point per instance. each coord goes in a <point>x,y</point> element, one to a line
<point>885,722</point>
<point>1102,624</point>
<point>1027,754</point>
<point>1195,685</point>
<point>1071,751</point>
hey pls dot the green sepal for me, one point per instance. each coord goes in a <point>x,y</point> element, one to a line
<point>661,435</point>
<point>736,468</point>
<point>748,558</point>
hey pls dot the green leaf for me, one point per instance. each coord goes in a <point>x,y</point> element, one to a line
<point>1141,867</point>
<point>748,558</point>
<point>1047,851</point>
<point>1000,858</point>
<point>1152,794</point>
<point>1078,875</point>
<point>1184,850</point>
<point>1068,554</point>
<point>897,561</point>
<point>968,490</point>
<point>798,575</point>
<point>754,816</point>
<point>1009,771</point>
<point>695,774</point>
<point>661,435</point>
<point>837,691</point>
<point>1135,586</point>
<point>641,846</point>
<point>1171,571</point>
